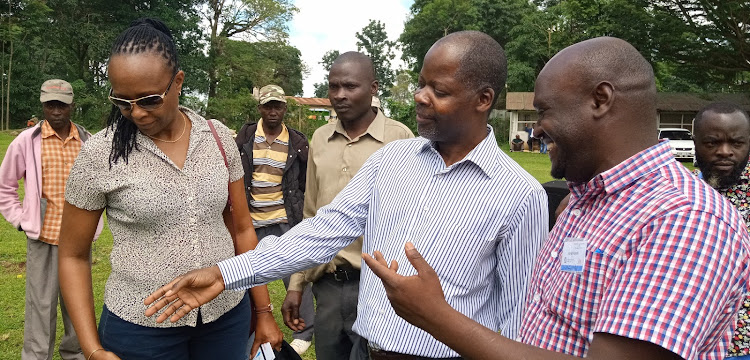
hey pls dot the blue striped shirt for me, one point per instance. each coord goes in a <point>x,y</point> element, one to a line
<point>478,222</point>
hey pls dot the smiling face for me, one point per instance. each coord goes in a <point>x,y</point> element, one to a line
<point>562,122</point>
<point>137,75</point>
<point>350,90</point>
<point>722,147</point>
<point>442,101</point>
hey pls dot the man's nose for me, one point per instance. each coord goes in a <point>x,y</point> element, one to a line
<point>725,150</point>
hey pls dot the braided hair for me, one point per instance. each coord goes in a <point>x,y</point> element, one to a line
<point>143,35</point>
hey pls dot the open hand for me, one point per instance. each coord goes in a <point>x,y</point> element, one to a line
<point>402,290</point>
<point>290,310</point>
<point>185,293</point>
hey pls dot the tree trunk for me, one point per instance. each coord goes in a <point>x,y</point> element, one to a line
<point>7,96</point>
<point>2,92</point>
<point>214,49</point>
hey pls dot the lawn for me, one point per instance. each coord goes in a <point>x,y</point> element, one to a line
<point>13,253</point>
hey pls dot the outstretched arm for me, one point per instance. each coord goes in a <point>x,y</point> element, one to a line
<point>471,339</point>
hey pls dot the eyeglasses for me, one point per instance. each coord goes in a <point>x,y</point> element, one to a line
<point>148,103</point>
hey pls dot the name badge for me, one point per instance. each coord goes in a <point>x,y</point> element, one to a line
<point>573,255</point>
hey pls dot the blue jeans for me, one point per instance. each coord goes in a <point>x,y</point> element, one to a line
<point>225,338</point>
<point>743,357</point>
<point>542,147</point>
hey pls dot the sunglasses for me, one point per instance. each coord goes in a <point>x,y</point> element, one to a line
<point>148,103</point>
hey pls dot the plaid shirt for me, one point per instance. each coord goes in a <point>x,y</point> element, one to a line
<point>57,160</point>
<point>666,262</point>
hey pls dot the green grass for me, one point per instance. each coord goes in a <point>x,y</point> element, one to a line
<point>13,257</point>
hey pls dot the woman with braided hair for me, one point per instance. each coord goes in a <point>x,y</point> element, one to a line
<point>164,175</point>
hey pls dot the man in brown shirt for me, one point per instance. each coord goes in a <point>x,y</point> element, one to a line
<point>337,151</point>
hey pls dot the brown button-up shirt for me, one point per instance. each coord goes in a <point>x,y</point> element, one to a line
<point>333,160</point>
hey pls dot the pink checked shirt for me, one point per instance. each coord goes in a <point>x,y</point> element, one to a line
<point>666,261</point>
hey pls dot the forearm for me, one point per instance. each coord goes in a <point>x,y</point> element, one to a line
<point>474,341</point>
<point>260,296</point>
<point>297,281</point>
<point>76,288</point>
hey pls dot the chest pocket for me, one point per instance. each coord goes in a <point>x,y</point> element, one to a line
<point>576,298</point>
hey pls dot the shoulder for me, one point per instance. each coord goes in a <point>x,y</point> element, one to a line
<point>246,131</point>
<point>403,148</point>
<point>509,169</point>
<point>100,140</point>
<point>25,136</point>
<point>81,128</point>
<point>398,129</point>
<point>297,136</point>
<point>323,132</point>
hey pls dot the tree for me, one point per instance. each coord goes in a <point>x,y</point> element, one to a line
<point>400,104</point>
<point>707,41</point>
<point>373,41</point>
<point>23,21</point>
<point>321,89</point>
<point>258,19</point>
<point>247,65</point>
<point>431,20</point>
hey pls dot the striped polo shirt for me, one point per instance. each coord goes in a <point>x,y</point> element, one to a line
<point>269,161</point>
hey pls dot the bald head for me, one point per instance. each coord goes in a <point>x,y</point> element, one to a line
<point>482,60</point>
<point>601,90</point>
<point>363,62</point>
<point>611,60</point>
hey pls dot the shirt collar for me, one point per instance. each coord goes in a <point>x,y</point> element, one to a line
<point>484,155</point>
<point>626,172</point>
<point>48,131</point>
<point>283,136</point>
<point>376,129</point>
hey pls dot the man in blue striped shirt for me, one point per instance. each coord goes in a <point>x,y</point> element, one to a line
<point>477,216</point>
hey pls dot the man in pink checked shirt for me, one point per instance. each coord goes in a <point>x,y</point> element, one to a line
<point>646,262</point>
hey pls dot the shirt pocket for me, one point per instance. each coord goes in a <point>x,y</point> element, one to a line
<point>576,298</point>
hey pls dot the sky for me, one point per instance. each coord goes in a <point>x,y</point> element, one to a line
<point>322,25</point>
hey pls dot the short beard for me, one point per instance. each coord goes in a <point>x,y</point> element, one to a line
<point>721,182</point>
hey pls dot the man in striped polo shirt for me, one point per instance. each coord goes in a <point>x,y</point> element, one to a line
<point>275,161</point>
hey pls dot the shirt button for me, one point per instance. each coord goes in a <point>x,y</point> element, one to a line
<point>537,297</point>
<point>192,221</point>
<point>190,198</point>
<point>426,208</point>
<point>350,145</point>
<point>554,254</point>
<point>576,212</point>
<point>344,169</point>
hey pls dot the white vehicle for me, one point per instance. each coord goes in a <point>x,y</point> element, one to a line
<point>681,142</point>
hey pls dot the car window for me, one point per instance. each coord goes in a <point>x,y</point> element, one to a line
<point>675,135</point>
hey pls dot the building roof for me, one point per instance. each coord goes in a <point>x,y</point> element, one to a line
<point>519,101</point>
<point>311,101</point>
<point>665,101</point>
<point>695,102</point>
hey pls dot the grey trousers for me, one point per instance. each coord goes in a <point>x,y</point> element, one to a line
<point>307,309</point>
<point>335,316</point>
<point>42,294</point>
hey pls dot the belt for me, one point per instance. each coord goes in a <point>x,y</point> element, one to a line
<point>345,273</point>
<point>376,354</point>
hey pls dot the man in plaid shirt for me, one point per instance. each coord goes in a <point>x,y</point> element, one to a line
<point>43,156</point>
<point>646,262</point>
